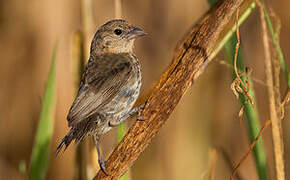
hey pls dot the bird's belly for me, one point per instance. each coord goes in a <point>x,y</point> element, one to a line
<point>123,102</point>
<point>119,106</point>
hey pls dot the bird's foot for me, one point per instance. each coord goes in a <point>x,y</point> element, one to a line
<point>102,165</point>
<point>139,111</point>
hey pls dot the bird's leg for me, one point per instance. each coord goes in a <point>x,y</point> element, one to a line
<point>100,159</point>
<point>137,110</point>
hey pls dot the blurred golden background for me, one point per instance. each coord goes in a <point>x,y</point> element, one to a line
<point>206,117</point>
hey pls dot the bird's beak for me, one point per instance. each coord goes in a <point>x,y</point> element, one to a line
<point>135,32</point>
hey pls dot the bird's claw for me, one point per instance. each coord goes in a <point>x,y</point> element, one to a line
<point>102,165</point>
<point>139,116</point>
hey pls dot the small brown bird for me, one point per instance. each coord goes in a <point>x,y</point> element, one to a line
<point>109,87</point>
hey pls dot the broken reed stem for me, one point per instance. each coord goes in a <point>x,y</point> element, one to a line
<point>190,59</point>
<point>275,120</point>
<point>267,123</point>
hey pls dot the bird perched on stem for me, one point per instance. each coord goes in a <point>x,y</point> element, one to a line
<point>109,87</point>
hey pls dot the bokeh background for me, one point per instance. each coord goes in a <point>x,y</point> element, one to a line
<point>206,117</point>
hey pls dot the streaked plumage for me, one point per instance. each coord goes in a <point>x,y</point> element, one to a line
<point>110,84</point>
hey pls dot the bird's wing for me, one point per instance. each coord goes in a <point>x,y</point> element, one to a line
<point>102,80</point>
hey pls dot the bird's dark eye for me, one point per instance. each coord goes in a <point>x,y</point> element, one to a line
<point>118,31</point>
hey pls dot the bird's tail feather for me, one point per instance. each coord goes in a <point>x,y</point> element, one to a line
<point>76,133</point>
<point>65,141</point>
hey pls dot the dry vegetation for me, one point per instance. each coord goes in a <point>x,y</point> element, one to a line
<point>205,137</point>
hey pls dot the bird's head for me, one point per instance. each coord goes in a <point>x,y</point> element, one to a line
<point>116,36</point>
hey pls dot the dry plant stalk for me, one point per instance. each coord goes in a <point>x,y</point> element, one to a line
<point>118,9</point>
<point>266,124</point>
<point>238,80</point>
<point>275,120</point>
<point>81,53</point>
<point>276,62</point>
<point>228,162</point>
<point>87,24</point>
<point>77,69</point>
<point>212,163</point>
<point>283,103</point>
<point>189,62</point>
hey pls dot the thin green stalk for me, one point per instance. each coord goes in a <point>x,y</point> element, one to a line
<point>251,112</point>
<point>41,149</point>
<point>276,45</point>
<point>121,131</point>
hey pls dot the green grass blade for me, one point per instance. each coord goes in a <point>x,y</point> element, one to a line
<point>251,112</point>
<point>121,131</point>
<point>41,148</point>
